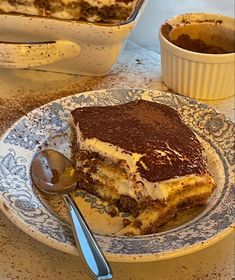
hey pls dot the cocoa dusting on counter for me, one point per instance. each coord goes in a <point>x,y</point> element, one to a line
<point>17,100</point>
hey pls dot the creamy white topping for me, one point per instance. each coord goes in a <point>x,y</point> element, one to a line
<point>152,215</point>
<point>130,186</point>
<point>110,151</point>
<point>8,8</point>
<point>157,191</point>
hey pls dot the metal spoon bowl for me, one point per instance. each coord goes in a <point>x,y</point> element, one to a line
<point>53,173</point>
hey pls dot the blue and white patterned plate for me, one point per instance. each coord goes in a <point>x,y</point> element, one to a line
<point>49,126</point>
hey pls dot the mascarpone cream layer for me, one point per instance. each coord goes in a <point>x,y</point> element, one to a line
<point>129,185</point>
<point>151,215</point>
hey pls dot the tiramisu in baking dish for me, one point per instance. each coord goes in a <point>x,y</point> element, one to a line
<point>106,11</point>
<point>141,158</point>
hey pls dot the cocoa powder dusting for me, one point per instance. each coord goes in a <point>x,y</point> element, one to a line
<point>196,45</point>
<point>22,102</point>
<point>185,41</point>
<point>22,96</point>
<point>168,147</point>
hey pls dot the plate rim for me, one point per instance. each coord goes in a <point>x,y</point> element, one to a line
<point>71,249</point>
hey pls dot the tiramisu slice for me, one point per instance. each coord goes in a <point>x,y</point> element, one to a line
<point>108,11</point>
<point>143,159</point>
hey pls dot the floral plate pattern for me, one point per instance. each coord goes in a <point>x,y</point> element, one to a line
<point>22,206</point>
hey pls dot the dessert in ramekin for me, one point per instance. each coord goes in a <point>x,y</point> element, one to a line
<point>197,55</point>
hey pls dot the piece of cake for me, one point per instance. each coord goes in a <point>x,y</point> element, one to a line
<point>143,159</point>
<point>108,11</point>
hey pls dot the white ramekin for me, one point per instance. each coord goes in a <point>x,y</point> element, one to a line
<point>198,75</point>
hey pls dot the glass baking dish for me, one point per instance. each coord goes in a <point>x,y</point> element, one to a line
<point>63,45</point>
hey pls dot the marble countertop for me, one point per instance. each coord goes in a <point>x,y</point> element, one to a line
<point>22,257</point>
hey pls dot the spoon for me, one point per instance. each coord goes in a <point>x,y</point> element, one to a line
<point>53,173</point>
